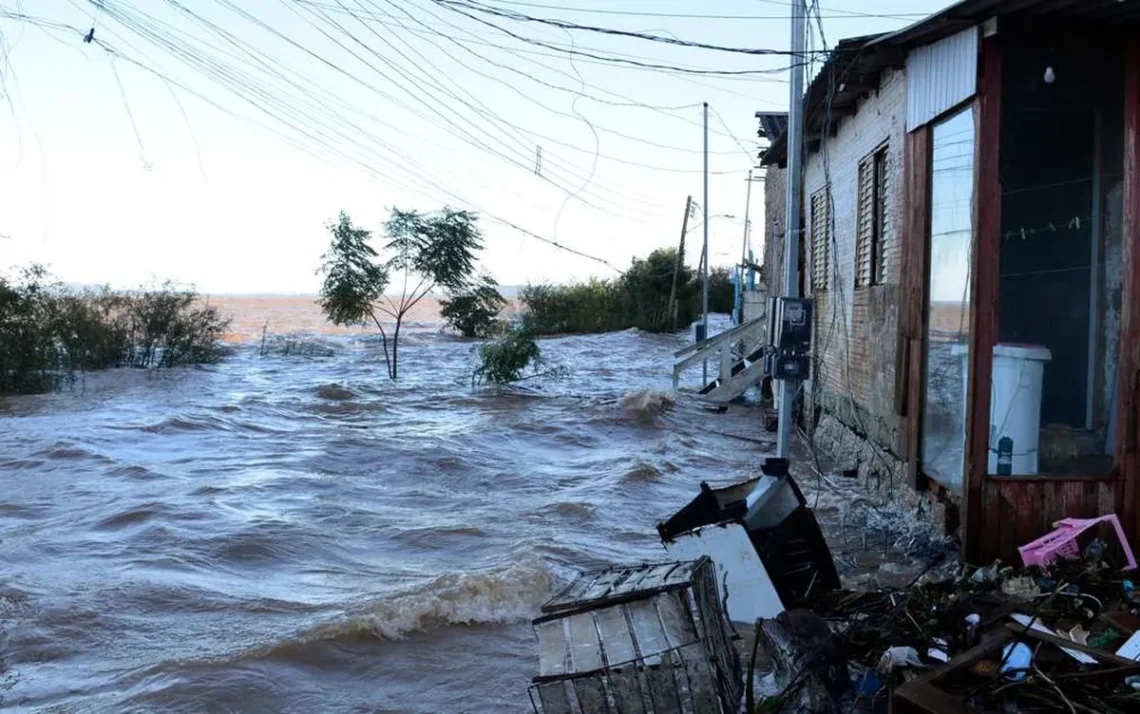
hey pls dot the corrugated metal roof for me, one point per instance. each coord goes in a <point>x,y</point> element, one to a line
<point>940,76</point>
<point>864,58</point>
<point>772,124</point>
<point>852,69</point>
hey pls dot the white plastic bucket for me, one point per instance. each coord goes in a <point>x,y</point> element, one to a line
<point>1015,401</point>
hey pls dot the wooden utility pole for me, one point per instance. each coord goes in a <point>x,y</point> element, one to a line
<point>680,262</point>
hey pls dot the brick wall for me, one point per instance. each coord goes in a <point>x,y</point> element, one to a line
<point>856,329</point>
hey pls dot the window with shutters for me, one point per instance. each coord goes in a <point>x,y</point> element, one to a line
<point>820,239</point>
<point>870,243</point>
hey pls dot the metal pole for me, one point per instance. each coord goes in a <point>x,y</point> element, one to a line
<point>787,388</point>
<point>747,208</point>
<point>705,271</point>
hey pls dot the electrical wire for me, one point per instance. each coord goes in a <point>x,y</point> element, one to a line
<point>565,25</point>
<point>641,13</point>
<point>326,151</point>
<point>614,59</point>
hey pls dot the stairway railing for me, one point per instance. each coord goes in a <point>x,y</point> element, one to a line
<point>725,350</point>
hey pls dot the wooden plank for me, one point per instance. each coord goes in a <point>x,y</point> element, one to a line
<point>1128,394</point>
<point>649,636</point>
<point>585,650</point>
<point>699,680</point>
<point>675,619</point>
<point>984,289</point>
<point>626,689</point>
<point>1101,655</point>
<point>553,655</point>
<point>591,695</point>
<point>617,641</point>
<point>663,688</point>
<point>554,698</point>
<point>922,693</point>
<point>910,355</point>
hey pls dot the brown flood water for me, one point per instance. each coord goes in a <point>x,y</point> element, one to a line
<point>289,533</point>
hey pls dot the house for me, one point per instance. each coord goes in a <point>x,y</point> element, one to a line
<point>971,213</point>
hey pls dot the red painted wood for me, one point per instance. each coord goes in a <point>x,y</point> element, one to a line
<point>984,286</point>
<point>912,295</point>
<point>1128,401</point>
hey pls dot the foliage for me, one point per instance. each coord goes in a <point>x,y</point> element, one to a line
<point>353,280</point>
<point>423,251</point>
<point>722,293</point>
<point>639,298</point>
<point>577,308</point>
<point>646,288</point>
<point>472,312</point>
<point>48,331</point>
<point>30,356</point>
<point>505,359</point>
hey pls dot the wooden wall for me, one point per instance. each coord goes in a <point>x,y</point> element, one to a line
<point>1015,511</point>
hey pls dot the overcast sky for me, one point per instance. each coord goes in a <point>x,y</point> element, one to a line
<point>209,141</point>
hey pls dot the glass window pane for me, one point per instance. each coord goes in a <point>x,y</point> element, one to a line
<point>948,318</point>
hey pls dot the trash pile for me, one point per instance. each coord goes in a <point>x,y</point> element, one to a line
<point>1062,635</point>
<point>1058,633</point>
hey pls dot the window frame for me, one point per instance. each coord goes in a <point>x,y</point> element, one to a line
<point>870,246</point>
<point>820,228</point>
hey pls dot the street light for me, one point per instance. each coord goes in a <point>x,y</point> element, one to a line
<point>702,222</point>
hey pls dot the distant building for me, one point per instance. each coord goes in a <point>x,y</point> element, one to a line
<point>971,215</point>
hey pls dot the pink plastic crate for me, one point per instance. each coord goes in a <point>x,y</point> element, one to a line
<point>1062,542</point>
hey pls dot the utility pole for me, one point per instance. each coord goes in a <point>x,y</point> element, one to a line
<point>787,388</point>
<point>679,263</point>
<point>747,209</point>
<point>705,270</point>
<point>744,249</point>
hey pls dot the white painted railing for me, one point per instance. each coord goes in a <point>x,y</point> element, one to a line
<point>725,350</point>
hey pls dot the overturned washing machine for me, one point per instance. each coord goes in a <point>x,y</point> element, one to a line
<point>769,551</point>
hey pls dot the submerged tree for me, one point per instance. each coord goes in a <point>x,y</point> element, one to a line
<point>473,311</point>
<point>505,359</point>
<point>424,251</point>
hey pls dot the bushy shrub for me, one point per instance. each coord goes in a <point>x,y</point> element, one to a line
<point>507,358</point>
<point>639,298</point>
<point>722,293</point>
<point>474,311</point>
<point>48,331</point>
<point>30,355</point>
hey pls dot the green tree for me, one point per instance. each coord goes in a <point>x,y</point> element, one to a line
<point>472,312</point>
<point>645,290</point>
<point>722,294</point>
<point>423,252</point>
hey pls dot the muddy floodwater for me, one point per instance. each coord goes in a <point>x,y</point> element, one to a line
<point>295,533</point>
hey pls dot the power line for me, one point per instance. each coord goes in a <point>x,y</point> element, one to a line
<point>681,15</point>
<point>326,149</point>
<point>854,13</point>
<point>617,60</point>
<point>566,25</point>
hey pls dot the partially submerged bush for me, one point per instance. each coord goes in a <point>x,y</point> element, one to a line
<point>506,359</point>
<point>474,311</point>
<point>48,331</point>
<point>639,298</point>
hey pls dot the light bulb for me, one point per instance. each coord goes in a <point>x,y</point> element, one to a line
<point>1050,75</point>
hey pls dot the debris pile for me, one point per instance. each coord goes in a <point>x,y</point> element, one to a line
<point>1065,637</point>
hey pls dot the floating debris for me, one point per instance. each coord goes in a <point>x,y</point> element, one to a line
<point>645,639</point>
